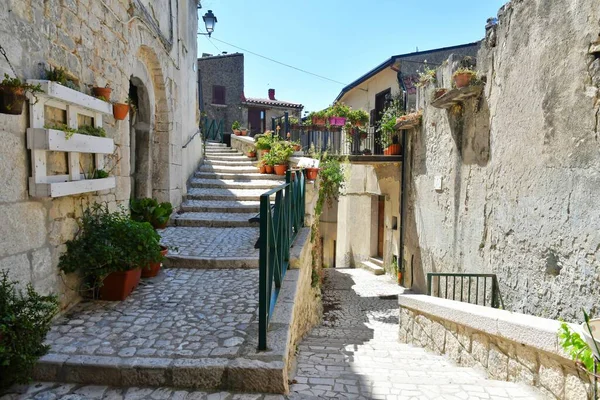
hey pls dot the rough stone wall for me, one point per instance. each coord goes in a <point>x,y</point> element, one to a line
<point>98,43</point>
<point>357,218</point>
<point>556,377</point>
<point>519,165</point>
<point>228,71</point>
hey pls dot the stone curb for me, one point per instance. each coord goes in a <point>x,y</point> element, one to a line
<point>189,262</point>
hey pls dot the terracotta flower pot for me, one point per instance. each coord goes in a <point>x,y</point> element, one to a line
<point>262,169</point>
<point>439,93</point>
<point>269,169</point>
<point>11,100</point>
<point>244,132</point>
<point>392,150</point>
<point>160,226</point>
<point>462,80</point>
<point>152,269</point>
<point>297,147</point>
<point>237,132</point>
<point>280,169</point>
<point>118,285</point>
<point>319,121</point>
<point>102,92</point>
<point>251,154</point>
<point>311,173</point>
<point>120,111</point>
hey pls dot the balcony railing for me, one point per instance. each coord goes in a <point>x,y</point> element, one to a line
<point>479,289</point>
<point>337,141</point>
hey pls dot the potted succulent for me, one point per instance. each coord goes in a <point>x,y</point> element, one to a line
<point>235,127</point>
<point>109,250</point>
<point>12,95</point>
<point>279,155</point>
<point>149,210</point>
<point>463,77</point>
<point>102,92</point>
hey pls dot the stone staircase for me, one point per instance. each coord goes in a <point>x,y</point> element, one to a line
<point>373,265</point>
<point>213,229</point>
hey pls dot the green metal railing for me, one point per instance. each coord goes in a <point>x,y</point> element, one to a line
<point>280,222</point>
<point>213,130</point>
<point>479,289</point>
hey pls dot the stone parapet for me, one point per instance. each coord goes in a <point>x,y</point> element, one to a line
<point>509,346</point>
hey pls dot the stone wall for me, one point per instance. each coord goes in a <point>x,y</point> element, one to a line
<point>98,42</point>
<point>508,346</point>
<point>519,165</point>
<point>228,71</point>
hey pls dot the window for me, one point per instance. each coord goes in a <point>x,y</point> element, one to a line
<point>218,94</point>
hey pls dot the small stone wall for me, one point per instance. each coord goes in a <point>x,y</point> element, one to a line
<point>243,143</point>
<point>509,346</point>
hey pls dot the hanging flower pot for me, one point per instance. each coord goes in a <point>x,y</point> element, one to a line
<point>103,92</point>
<point>280,169</point>
<point>11,100</point>
<point>118,285</point>
<point>152,269</point>
<point>337,121</point>
<point>311,173</point>
<point>120,110</point>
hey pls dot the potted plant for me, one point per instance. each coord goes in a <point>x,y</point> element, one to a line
<point>439,93</point>
<point>318,118</point>
<point>269,163</point>
<point>262,167</point>
<point>120,110</point>
<point>358,117</point>
<point>296,146</point>
<point>263,142</point>
<point>235,127</point>
<point>338,114</point>
<point>312,171</point>
<point>153,268</point>
<point>244,131</point>
<point>463,77</point>
<point>102,92</point>
<point>12,95</point>
<point>251,153</point>
<point>109,250</point>
<point>367,152</point>
<point>427,76</point>
<point>294,123</point>
<point>280,154</point>
<point>60,76</point>
<point>149,210</point>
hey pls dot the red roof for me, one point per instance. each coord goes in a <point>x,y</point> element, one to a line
<point>273,103</point>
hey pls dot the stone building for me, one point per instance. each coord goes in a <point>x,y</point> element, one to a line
<point>143,49</point>
<point>507,182</point>
<point>221,83</point>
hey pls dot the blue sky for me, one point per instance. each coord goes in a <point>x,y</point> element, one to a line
<point>339,39</point>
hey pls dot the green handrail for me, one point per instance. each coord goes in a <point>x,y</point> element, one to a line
<point>280,222</point>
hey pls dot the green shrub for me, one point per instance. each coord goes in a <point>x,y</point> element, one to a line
<point>108,242</point>
<point>149,210</point>
<point>265,141</point>
<point>25,319</point>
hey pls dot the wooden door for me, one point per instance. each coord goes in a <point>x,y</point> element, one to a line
<point>380,225</point>
<point>381,102</point>
<point>255,120</point>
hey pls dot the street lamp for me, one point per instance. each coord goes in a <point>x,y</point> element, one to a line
<point>209,20</point>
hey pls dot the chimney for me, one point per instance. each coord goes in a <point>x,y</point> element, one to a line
<point>271,94</point>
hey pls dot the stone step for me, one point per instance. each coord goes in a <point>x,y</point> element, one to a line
<point>219,206</point>
<point>216,144</point>
<point>222,150</point>
<point>211,248</point>
<point>239,177</point>
<point>228,169</point>
<point>371,267</point>
<point>377,261</point>
<point>225,194</point>
<point>230,184</point>
<point>247,162</point>
<point>211,219</point>
<point>240,157</point>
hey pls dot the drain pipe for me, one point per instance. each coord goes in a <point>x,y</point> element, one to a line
<point>401,265</point>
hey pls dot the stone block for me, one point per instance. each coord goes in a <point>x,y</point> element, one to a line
<point>424,324</point>
<point>63,207</point>
<point>41,263</point>
<point>146,372</point>
<point>198,373</point>
<point>438,337</point>
<point>497,363</point>
<point>62,230</point>
<point>48,367</point>
<point>123,189</point>
<point>453,347</point>
<point>552,376</point>
<point>18,267</point>
<point>257,376</point>
<point>13,167</point>
<point>22,227</point>
<point>92,370</point>
<point>576,387</point>
<point>480,348</point>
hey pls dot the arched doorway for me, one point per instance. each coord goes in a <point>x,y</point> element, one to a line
<point>140,141</point>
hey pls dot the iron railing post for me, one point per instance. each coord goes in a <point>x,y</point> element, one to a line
<point>263,273</point>
<point>429,277</point>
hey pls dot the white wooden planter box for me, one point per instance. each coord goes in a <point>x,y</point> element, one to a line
<point>56,91</point>
<point>54,140</point>
<point>59,189</point>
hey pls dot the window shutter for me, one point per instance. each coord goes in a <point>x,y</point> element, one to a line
<point>218,94</point>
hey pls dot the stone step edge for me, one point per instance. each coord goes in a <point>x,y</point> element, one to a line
<point>371,267</point>
<point>207,223</point>
<point>221,209</point>
<point>241,374</point>
<point>190,262</point>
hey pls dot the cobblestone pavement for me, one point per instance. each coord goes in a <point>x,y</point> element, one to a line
<point>181,313</point>
<point>211,242</point>
<point>355,352</point>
